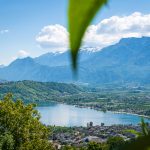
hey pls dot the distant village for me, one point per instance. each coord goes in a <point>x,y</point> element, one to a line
<point>81,136</point>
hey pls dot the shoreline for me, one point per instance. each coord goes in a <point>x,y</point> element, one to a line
<point>116,112</point>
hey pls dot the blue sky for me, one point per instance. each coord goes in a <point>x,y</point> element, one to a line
<point>21,21</point>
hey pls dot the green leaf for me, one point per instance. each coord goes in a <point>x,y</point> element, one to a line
<point>142,143</point>
<point>81,13</point>
<point>144,127</point>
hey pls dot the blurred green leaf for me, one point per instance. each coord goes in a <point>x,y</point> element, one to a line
<point>144,127</point>
<point>81,13</point>
<point>142,143</point>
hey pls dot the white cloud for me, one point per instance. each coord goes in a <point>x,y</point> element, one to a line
<point>21,54</point>
<point>4,31</point>
<point>53,37</point>
<point>105,33</point>
<point>111,30</point>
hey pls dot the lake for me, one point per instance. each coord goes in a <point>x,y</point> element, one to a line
<point>67,115</point>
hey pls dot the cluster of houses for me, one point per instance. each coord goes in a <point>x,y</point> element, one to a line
<point>80,136</point>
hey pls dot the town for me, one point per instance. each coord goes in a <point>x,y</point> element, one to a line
<point>81,136</point>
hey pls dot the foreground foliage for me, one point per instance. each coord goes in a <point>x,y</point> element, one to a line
<point>113,143</point>
<point>20,127</point>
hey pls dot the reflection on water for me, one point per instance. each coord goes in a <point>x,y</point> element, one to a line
<point>65,115</point>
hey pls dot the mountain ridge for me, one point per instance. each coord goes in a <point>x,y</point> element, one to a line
<point>126,61</point>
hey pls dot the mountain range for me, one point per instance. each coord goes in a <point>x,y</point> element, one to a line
<point>128,61</point>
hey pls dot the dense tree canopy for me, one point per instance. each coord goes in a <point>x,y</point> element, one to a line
<point>20,127</point>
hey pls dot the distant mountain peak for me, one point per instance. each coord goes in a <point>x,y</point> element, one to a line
<point>23,61</point>
<point>126,61</point>
<point>90,49</point>
<point>134,39</point>
<point>26,59</point>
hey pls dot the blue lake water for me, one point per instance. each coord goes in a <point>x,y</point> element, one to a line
<point>66,115</point>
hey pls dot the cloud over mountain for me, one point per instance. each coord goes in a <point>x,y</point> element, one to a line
<point>21,54</point>
<point>105,33</point>
<point>53,37</point>
<point>111,30</point>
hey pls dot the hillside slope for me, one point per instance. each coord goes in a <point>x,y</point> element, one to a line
<point>31,91</point>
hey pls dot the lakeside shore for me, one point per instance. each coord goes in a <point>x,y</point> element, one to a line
<point>85,114</point>
<point>115,112</point>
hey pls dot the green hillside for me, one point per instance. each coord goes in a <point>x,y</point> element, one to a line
<point>31,91</point>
